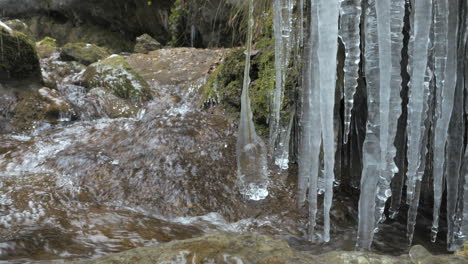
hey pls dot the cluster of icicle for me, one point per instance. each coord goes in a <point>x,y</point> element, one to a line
<point>373,31</point>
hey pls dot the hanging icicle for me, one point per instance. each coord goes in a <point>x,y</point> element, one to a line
<point>252,167</point>
<point>445,27</point>
<point>350,16</point>
<point>418,94</point>
<point>282,25</point>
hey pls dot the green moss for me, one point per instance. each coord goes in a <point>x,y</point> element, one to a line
<point>83,53</point>
<point>18,56</point>
<point>116,74</point>
<point>224,86</point>
<point>46,47</point>
<point>47,41</point>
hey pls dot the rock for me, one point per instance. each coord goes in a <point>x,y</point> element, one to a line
<point>56,72</point>
<point>116,75</point>
<point>84,53</point>
<point>46,47</point>
<point>131,18</point>
<point>111,105</point>
<point>224,86</point>
<point>19,59</point>
<point>42,105</point>
<point>19,25</point>
<point>145,43</point>
<point>219,248</point>
<point>227,248</point>
<point>420,255</point>
<point>68,32</point>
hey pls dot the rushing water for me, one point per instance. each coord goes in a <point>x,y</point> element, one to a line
<point>94,186</point>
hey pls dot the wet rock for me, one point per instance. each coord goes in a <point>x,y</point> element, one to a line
<point>145,43</point>
<point>56,72</point>
<point>19,59</point>
<point>41,105</point>
<point>420,255</point>
<point>116,75</point>
<point>220,248</point>
<point>46,47</point>
<point>84,53</point>
<point>111,105</point>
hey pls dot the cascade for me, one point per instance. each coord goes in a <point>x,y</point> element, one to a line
<point>251,156</point>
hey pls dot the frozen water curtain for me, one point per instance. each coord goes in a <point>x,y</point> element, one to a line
<point>408,60</point>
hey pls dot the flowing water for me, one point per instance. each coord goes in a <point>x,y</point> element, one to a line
<point>93,186</point>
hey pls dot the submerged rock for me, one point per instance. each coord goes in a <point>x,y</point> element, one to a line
<point>84,53</point>
<point>145,43</point>
<point>115,74</point>
<point>18,58</point>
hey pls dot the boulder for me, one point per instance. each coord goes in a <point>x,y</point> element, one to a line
<point>42,105</point>
<point>19,59</point>
<point>21,26</point>
<point>46,47</point>
<point>84,53</point>
<point>111,105</point>
<point>115,74</point>
<point>145,43</point>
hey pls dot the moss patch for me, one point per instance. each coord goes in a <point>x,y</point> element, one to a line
<point>83,53</point>
<point>46,47</point>
<point>116,74</point>
<point>224,86</point>
<point>18,57</point>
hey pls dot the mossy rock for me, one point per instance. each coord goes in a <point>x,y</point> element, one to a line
<point>145,43</point>
<point>20,26</point>
<point>84,53</point>
<point>18,58</point>
<point>40,105</point>
<point>224,86</point>
<point>46,47</point>
<point>115,74</point>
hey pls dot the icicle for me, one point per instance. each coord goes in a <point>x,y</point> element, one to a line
<point>446,74</point>
<point>252,167</point>
<point>418,52</point>
<point>453,160</point>
<point>327,49</point>
<point>371,147</point>
<point>282,21</point>
<point>460,226</point>
<point>463,234</point>
<point>311,125</point>
<point>350,14</point>
<point>427,117</point>
<point>390,26</point>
